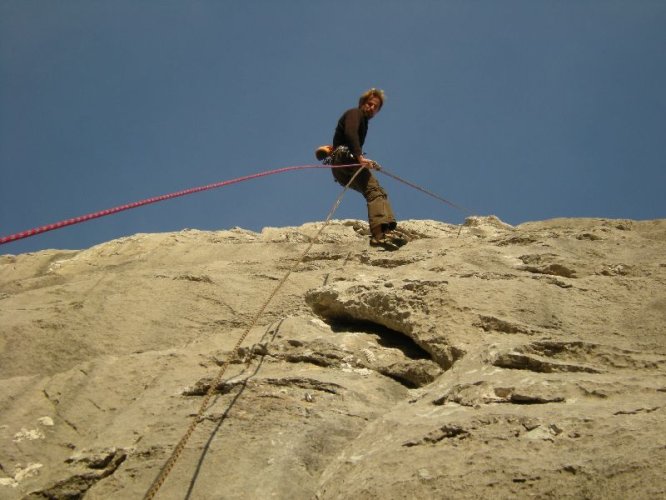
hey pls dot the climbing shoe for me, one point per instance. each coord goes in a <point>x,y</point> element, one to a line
<point>396,237</point>
<point>383,242</point>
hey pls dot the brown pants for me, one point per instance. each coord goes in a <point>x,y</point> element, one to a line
<point>380,213</point>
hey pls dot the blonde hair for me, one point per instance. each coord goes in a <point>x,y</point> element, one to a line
<point>373,92</point>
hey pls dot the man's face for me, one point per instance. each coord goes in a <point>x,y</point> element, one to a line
<point>371,106</point>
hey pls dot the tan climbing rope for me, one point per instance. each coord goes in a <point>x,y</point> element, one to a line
<point>175,454</point>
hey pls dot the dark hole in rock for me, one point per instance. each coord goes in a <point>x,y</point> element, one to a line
<point>390,339</point>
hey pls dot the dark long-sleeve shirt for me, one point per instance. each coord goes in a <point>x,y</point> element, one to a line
<point>351,131</point>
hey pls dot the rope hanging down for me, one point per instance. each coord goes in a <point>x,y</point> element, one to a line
<point>178,450</point>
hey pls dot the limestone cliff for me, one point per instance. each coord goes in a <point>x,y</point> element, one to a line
<point>505,362</point>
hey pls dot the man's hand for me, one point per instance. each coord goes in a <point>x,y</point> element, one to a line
<point>375,165</point>
<point>367,163</point>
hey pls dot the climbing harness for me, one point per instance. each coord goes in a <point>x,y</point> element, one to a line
<point>168,466</point>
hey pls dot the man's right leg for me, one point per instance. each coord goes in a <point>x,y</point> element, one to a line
<point>380,213</point>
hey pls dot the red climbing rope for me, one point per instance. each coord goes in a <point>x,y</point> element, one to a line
<point>215,185</point>
<point>109,211</point>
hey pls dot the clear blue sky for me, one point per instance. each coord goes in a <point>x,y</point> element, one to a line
<point>524,109</point>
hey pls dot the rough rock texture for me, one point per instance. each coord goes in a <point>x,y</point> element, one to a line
<point>524,361</point>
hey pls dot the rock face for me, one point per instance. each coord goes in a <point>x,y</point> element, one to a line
<point>505,362</point>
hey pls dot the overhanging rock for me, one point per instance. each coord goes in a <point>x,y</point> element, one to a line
<point>403,306</point>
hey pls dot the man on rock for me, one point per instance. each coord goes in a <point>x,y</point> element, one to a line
<point>348,141</point>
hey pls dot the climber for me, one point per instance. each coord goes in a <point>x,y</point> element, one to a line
<point>348,140</point>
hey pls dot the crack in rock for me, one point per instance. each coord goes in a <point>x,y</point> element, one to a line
<point>637,411</point>
<point>357,346</point>
<point>202,386</point>
<point>203,278</point>
<point>493,324</point>
<point>542,264</point>
<point>389,262</point>
<point>550,356</point>
<point>448,431</point>
<point>519,361</point>
<point>482,392</point>
<point>391,361</point>
<point>587,352</point>
<point>412,373</point>
<point>93,467</point>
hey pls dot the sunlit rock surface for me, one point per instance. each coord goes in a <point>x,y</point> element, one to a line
<point>485,362</point>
